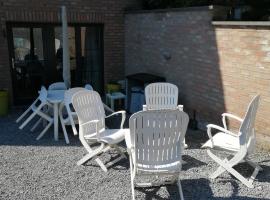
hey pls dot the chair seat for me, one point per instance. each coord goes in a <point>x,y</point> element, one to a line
<point>224,141</point>
<point>110,136</point>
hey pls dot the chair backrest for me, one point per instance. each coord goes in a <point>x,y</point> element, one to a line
<point>247,138</point>
<point>58,86</point>
<point>161,96</point>
<point>158,136</point>
<point>88,87</point>
<point>69,93</point>
<point>88,106</point>
<point>43,95</point>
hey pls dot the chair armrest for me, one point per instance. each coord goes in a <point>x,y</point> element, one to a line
<point>224,115</point>
<point>92,122</point>
<point>212,126</point>
<point>123,117</point>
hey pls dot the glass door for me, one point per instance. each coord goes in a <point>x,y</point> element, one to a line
<point>36,57</point>
<point>27,60</point>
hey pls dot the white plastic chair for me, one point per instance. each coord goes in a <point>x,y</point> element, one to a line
<point>38,107</point>
<point>67,115</point>
<point>240,145</point>
<point>160,96</point>
<point>91,115</point>
<point>155,145</point>
<point>58,86</point>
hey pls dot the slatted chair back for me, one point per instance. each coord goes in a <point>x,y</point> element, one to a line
<point>161,96</point>
<point>69,93</point>
<point>247,137</point>
<point>88,106</point>
<point>158,136</point>
<point>58,86</point>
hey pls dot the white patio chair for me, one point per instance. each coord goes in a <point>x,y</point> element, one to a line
<point>39,107</point>
<point>58,86</point>
<point>91,115</point>
<point>160,96</point>
<point>240,145</point>
<point>155,145</point>
<point>67,114</point>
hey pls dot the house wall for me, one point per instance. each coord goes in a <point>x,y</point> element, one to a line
<point>218,68</point>
<point>108,12</point>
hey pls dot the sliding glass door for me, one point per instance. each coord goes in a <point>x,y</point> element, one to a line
<point>36,57</point>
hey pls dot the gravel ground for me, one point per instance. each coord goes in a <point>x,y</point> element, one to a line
<point>47,169</point>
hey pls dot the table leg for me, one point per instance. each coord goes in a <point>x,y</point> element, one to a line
<point>55,116</point>
<point>112,103</point>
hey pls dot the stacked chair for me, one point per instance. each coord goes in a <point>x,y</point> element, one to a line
<point>39,108</point>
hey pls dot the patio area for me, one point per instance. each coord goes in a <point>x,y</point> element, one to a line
<point>47,169</point>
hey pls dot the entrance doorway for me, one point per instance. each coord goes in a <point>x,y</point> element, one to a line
<point>36,57</point>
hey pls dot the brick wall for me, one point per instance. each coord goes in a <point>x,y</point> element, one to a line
<point>217,68</point>
<point>108,12</point>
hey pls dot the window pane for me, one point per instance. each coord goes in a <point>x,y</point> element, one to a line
<point>21,41</point>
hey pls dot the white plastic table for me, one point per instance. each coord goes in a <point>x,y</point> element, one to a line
<point>115,96</point>
<point>55,97</point>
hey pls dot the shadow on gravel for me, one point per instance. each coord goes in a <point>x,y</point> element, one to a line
<point>192,189</point>
<point>195,139</point>
<point>122,164</point>
<point>191,162</point>
<point>264,176</point>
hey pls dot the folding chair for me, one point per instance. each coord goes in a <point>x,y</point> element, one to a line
<point>155,146</point>
<point>160,96</point>
<point>91,115</point>
<point>239,145</point>
<point>39,107</point>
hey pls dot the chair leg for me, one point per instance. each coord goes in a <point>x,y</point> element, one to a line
<point>44,130</point>
<point>132,174</point>
<point>227,166</point>
<point>101,164</point>
<point>180,188</point>
<point>253,164</point>
<point>36,124</point>
<point>117,148</point>
<point>219,170</point>
<point>92,154</point>
<point>23,115</point>
<point>64,131</point>
<point>28,120</point>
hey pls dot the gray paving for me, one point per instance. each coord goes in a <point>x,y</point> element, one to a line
<point>46,169</point>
